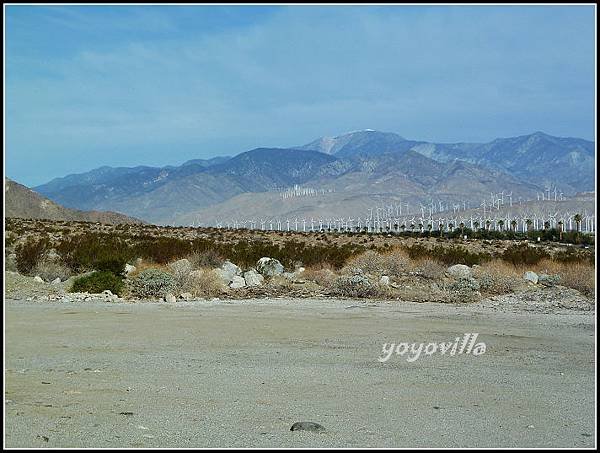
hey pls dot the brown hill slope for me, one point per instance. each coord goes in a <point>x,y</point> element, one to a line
<point>22,202</point>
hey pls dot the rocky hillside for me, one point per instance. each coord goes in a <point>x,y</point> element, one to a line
<point>23,202</point>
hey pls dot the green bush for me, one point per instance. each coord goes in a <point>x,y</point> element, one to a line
<point>94,251</point>
<point>524,254</point>
<point>152,283</point>
<point>29,254</point>
<point>98,282</point>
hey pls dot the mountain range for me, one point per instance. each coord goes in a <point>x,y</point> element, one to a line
<point>346,175</point>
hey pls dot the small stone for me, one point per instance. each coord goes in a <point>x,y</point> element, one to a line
<point>384,280</point>
<point>307,426</point>
<point>531,276</point>
<point>38,279</point>
<point>186,296</point>
<point>56,281</point>
<point>170,298</point>
<point>129,268</point>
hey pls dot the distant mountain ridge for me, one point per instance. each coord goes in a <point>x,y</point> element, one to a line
<point>361,164</point>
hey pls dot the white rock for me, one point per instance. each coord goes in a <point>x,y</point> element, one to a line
<point>56,281</point>
<point>129,268</point>
<point>186,296</point>
<point>384,280</point>
<point>531,276</point>
<point>38,279</point>
<point>170,298</point>
<point>227,271</point>
<point>237,282</point>
<point>269,267</point>
<point>253,278</point>
<point>299,270</point>
<point>459,271</point>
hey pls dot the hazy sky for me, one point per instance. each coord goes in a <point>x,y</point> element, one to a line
<point>157,85</point>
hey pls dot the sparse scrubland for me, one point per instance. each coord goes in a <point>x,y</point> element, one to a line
<point>149,262</point>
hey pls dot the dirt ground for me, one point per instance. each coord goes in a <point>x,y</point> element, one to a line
<point>240,373</point>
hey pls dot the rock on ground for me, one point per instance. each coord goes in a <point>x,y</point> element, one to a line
<point>269,267</point>
<point>237,282</point>
<point>253,278</point>
<point>531,276</point>
<point>459,271</point>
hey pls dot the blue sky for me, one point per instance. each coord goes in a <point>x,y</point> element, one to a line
<point>158,85</point>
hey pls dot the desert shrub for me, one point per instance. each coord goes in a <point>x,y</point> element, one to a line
<point>29,254</point>
<point>205,283</point>
<point>94,251</point>
<point>447,255</point>
<point>97,282</point>
<point>356,285</point>
<point>430,269</point>
<point>162,249</point>
<point>322,275</point>
<point>181,270</point>
<point>464,289</point>
<point>524,254</point>
<point>50,269</point>
<point>152,283</point>
<point>207,258</point>
<point>392,263</point>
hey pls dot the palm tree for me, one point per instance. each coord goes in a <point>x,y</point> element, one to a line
<point>403,227</point>
<point>441,228</point>
<point>412,227</point>
<point>396,227</point>
<point>546,225</point>
<point>476,225</point>
<point>420,228</point>
<point>450,227</point>
<point>501,224</point>
<point>528,222</point>
<point>577,219</point>
<point>429,228</point>
<point>462,228</point>
<point>488,223</point>
<point>513,225</point>
<point>560,229</point>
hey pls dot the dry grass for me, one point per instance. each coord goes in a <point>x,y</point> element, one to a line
<point>146,264</point>
<point>579,276</point>
<point>205,283</point>
<point>393,263</point>
<point>49,270</point>
<point>322,275</point>
<point>429,269</point>
<point>498,277</point>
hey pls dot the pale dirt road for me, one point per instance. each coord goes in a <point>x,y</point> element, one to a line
<point>225,374</point>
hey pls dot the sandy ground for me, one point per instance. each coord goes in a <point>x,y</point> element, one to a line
<point>240,373</point>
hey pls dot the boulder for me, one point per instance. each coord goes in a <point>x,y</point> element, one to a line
<point>38,279</point>
<point>227,271</point>
<point>459,271</point>
<point>129,268</point>
<point>170,298</point>
<point>269,267</point>
<point>531,276</point>
<point>253,278</point>
<point>186,296</point>
<point>237,282</point>
<point>56,281</point>
<point>384,280</point>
